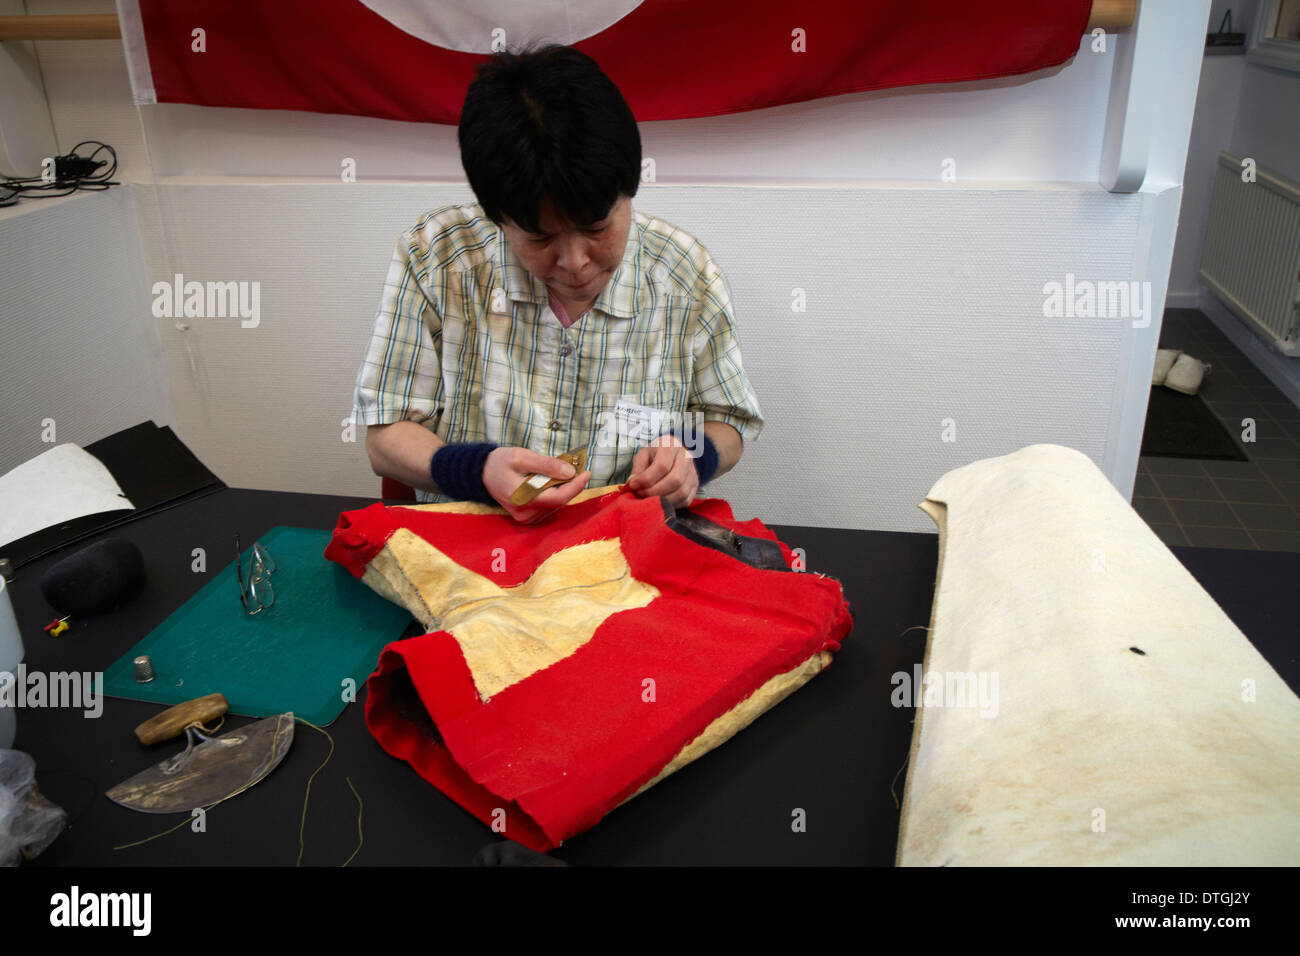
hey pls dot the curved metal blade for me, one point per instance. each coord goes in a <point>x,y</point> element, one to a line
<point>210,770</point>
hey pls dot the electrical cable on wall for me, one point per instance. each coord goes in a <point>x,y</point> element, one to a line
<point>65,175</point>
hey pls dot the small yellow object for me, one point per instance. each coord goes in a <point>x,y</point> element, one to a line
<point>535,484</point>
<point>58,629</point>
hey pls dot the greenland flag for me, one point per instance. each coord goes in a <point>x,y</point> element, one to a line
<point>413,59</point>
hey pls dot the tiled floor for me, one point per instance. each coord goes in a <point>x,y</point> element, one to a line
<point>1227,504</point>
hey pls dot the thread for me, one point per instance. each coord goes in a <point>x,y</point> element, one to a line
<point>360,836</point>
<point>894,782</point>
<point>302,824</point>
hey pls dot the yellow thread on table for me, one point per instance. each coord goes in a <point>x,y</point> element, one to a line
<point>360,836</point>
<point>303,822</point>
<point>894,782</point>
<point>127,846</point>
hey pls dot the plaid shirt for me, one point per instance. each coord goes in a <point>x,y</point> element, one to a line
<point>465,343</point>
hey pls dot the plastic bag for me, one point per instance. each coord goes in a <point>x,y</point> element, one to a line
<point>28,822</point>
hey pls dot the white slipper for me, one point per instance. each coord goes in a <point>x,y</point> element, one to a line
<point>1164,362</point>
<point>1186,375</point>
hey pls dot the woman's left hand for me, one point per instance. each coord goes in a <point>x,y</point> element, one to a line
<point>666,469</point>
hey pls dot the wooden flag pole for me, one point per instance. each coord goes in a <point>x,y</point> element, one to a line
<point>70,27</point>
<point>1112,15</point>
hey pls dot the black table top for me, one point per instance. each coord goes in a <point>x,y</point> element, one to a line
<point>834,749</point>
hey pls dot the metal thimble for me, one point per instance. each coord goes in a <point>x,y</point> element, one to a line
<point>143,669</point>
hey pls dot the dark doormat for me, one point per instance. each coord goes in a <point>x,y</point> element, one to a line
<point>1182,426</point>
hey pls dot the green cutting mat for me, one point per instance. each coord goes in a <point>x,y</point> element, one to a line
<point>324,627</point>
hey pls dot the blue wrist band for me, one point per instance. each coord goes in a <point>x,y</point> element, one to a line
<point>457,470</point>
<point>706,462</point>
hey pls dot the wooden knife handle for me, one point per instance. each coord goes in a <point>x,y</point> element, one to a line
<point>173,721</point>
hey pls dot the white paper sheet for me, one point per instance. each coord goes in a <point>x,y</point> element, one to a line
<point>63,483</point>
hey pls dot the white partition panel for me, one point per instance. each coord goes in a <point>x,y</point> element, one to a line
<point>924,343</point>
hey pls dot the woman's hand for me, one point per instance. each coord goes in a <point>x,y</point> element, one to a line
<point>665,469</point>
<point>507,467</point>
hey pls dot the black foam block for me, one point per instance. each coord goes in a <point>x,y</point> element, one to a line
<point>96,579</point>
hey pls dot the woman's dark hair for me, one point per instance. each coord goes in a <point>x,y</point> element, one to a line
<point>547,122</point>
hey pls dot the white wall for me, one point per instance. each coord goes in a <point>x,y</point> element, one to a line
<point>926,305</point>
<point>1267,129</point>
<point>1218,102</point>
<point>1250,110</point>
<point>1268,119</point>
<point>76,342</point>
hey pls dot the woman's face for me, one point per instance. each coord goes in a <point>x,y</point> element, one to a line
<point>575,262</point>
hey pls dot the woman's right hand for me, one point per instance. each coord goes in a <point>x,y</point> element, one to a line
<point>507,467</point>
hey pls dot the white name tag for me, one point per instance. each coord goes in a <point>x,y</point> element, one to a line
<point>639,422</point>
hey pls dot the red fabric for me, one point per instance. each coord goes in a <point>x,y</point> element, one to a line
<point>560,749</point>
<point>671,58</point>
<point>394,490</point>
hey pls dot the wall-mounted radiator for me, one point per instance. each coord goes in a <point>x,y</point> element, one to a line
<point>1251,258</point>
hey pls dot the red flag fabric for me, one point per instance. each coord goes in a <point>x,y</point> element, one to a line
<point>572,664</point>
<point>413,59</point>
